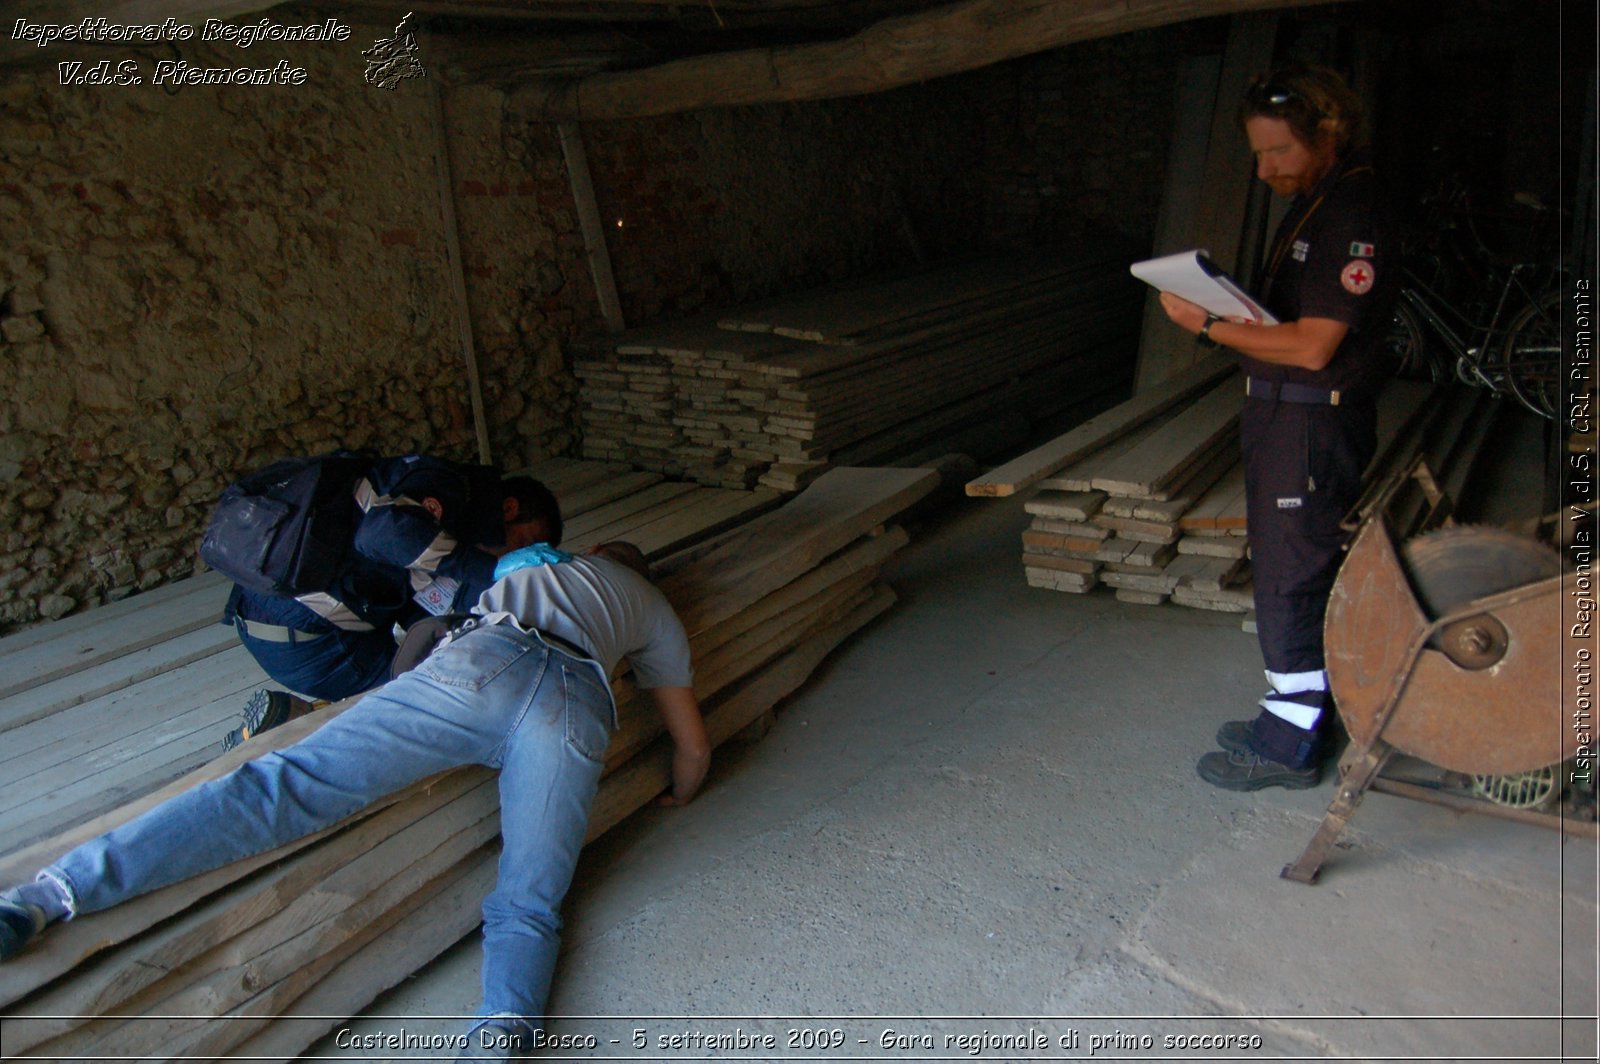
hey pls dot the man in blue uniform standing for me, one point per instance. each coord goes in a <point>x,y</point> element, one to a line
<point>1308,426</point>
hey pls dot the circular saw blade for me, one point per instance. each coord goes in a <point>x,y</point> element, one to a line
<point>1451,567</point>
<point>1480,698</point>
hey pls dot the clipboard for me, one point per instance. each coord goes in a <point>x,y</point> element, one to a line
<point>1193,276</point>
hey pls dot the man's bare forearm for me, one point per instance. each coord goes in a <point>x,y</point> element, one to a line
<point>691,754</point>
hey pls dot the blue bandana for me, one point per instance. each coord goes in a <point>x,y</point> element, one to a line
<point>528,557</point>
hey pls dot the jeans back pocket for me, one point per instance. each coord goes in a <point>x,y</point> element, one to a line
<point>589,711</point>
<point>472,660</point>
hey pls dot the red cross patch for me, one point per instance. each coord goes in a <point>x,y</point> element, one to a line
<point>1357,277</point>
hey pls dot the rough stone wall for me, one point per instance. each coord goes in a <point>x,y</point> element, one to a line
<point>196,282</point>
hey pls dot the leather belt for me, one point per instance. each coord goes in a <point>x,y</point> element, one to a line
<point>1289,392</point>
<point>276,633</point>
<point>564,645</point>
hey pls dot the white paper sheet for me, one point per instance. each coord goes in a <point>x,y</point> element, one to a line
<point>1193,276</point>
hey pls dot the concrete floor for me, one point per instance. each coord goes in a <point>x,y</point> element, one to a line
<point>982,816</point>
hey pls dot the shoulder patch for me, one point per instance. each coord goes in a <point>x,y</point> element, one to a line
<point>1359,250</point>
<point>1357,277</point>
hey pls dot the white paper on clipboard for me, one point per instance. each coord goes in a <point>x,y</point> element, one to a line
<point>1193,276</point>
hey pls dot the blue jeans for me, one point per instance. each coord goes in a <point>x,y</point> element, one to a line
<point>493,696</point>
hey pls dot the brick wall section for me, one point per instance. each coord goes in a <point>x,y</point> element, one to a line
<point>527,278</point>
<point>719,207</point>
<point>1075,140</point>
<point>195,283</point>
<point>723,206</point>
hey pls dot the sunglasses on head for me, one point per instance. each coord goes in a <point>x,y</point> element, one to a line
<point>1272,94</point>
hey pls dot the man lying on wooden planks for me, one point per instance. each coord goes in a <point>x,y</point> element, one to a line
<point>522,688</point>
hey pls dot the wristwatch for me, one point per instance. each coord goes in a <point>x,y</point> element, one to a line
<point>1204,336</point>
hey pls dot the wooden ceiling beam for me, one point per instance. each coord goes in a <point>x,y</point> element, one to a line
<point>456,59</point>
<point>896,52</point>
<point>540,11</point>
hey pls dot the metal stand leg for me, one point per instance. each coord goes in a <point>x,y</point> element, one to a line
<point>1357,769</point>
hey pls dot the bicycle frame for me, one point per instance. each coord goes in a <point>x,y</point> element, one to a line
<point>1467,340</point>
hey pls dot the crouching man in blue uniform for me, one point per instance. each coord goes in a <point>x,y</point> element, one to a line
<point>1308,426</point>
<point>523,689</point>
<point>428,540</point>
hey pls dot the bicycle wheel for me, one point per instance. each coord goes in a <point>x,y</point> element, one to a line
<point>1408,349</point>
<point>1532,356</point>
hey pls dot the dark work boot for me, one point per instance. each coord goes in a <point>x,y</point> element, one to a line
<point>1249,772</point>
<point>26,910</point>
<point>264,711</point>
<point>1265,752</point>
<point>1234,736</point>
<point>19,922</point>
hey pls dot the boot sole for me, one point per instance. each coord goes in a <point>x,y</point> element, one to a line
<point>261,713</point>
<point>1230,782</point>
<point>1261,784</point>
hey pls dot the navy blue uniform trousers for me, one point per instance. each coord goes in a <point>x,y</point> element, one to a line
<point>1303,464</point>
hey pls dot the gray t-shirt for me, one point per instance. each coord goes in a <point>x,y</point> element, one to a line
<point>602,607</point>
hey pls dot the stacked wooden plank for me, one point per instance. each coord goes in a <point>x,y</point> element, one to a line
<point>860,375</point>
<point>262,957</point>
<point>1214,537</point>
<point>1155,508</point>
<point>1114,516</point>
<point>106,705</point>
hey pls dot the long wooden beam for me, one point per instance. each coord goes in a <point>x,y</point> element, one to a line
<point>594,233</point>
<point>895,52</point>
<point>458,274</point>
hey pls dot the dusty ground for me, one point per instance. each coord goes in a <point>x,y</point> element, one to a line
<point>982,817</point>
